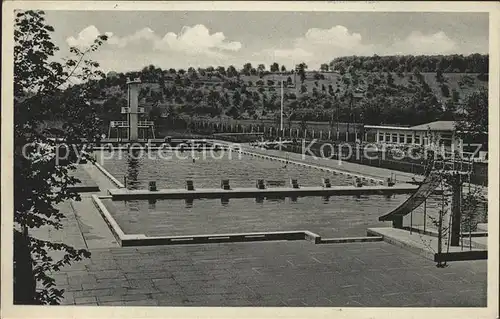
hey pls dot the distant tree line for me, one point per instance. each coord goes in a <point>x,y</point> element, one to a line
<point>474,63</point>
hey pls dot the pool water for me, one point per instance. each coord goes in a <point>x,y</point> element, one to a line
<point>170,171</point>
<point>337,216</point>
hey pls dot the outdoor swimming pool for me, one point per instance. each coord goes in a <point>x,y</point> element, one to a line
<point>337,216</point>
<point>171,171</point>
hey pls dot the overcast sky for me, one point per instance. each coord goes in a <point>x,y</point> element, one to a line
<point>181,39</point>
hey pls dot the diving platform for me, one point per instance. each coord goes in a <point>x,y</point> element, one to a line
<point>278,192</point>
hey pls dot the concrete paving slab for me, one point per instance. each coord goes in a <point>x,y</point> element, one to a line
<point>424,245</point>
<point>93,227</point>
<point>277,283</point>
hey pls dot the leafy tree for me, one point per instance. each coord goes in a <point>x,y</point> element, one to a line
<point>179,100</point>
<point>236,99</point>
<point>221,70</point>
<point>449,111</point>
<point>193,76</point>
<point>202,72</point>
<point>283,68</point>
<point>471,212</point>
<point>455,96</point>
<point>390,79</point>
<point>275,67</point>
<point>231,71</point>
<point>233,112</point>
<point>213,98</point>
<point>445,90</point>
<point>330,90</point>
<point>301,70</point>
<point>324,67</point>
<point>439,75</point>
<point>247,68</point>
<point>155,114</point>
<point>474,122</point>
<point>43,92</point>
<point>247,104</point>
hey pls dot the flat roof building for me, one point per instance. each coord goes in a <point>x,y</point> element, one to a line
<point>434,134</point>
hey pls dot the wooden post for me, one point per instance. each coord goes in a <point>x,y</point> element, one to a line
<point>411,222</point>
<point>425,213</point>
<point>440,231</point>
<point>456,210</point>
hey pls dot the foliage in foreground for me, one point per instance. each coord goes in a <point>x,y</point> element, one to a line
<point>42,91</point>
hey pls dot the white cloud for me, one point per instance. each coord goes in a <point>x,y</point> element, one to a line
<point>145,34</point>
<point>337,36</point>
<point>419,43</point>
<point>197,46</point>
<point>197,40</point>
<point>318,46</point>
<point>86,37</point>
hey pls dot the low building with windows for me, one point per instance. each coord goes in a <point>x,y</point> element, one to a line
<point>437,133</point>
<point>434,134</point>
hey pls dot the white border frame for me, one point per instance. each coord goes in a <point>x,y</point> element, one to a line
<point>9,311</point>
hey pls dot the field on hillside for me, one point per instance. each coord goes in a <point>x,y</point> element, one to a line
<point>464,83</point>
<point>258,97</point>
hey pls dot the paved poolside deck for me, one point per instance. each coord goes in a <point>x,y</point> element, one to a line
<point>260,274</point>
<point>272,274</point>
<point>87,183</point>
<point>294,273</point>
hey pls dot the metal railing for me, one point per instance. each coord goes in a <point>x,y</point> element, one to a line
<point>145,123</point>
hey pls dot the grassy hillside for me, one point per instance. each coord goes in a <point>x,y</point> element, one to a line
<point>317,95</point>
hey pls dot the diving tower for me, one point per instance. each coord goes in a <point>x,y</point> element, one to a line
<point>131,129</point>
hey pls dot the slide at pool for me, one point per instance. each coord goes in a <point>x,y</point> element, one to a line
<point>429,184</point>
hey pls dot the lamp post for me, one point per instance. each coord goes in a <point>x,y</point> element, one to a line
<point>281,109</point>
